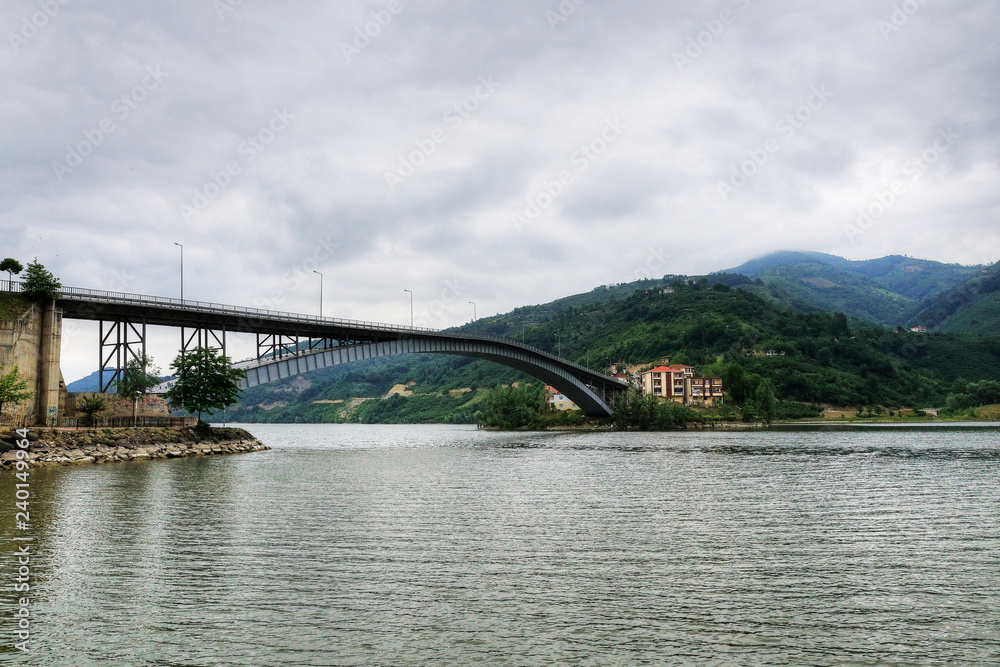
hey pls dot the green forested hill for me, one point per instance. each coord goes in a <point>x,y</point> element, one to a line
<point>888,290</point>
<point>980,317</point>
<point>972,307</point>
<point>705,322</point>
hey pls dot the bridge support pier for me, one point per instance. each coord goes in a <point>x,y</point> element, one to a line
<point>276,346</point>
<point>120,343</point>
<point>49,351</point>
<point>202,337</point>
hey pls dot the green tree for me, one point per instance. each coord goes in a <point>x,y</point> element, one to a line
<point>90,406</point>
<point>206,381</point>
<point>765,402</point>
<point>734,380</point>
<point>11,266</point>
<point>13,388</point>
<point>514,407</point>
<point>632,409</point>
<point>140,375</point>
<point>39,283</point>
<point>839,327</point>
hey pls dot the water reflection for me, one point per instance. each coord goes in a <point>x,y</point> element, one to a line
<point>403,545</point>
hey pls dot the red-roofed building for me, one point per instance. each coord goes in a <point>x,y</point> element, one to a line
<point>559,400</point>
<point>677,383</point>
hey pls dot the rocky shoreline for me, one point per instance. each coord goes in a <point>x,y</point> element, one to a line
<point>53,447</point>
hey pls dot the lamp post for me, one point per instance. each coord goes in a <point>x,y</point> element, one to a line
<point>182,269</point>
<point>475,319</point>
<point>559,345</point>
<point>320,292</point>
<point>411,306</point>
<point>523,327</point>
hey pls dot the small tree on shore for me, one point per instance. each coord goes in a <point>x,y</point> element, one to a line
<point>39,283</point>
<point>12,267</point>
<point>140,375</point>
<point>206,381</point>
<point>765,401</point>
<point>91,406</point>
<point>13,388</point>
<point>514,407</point>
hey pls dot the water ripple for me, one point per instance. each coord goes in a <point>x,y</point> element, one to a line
<point>416,546</point>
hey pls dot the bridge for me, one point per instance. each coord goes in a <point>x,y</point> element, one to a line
<point>290,344</point>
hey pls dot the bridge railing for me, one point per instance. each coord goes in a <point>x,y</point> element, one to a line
<point>217,308</point>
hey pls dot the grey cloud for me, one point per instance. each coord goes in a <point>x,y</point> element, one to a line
<point>113,218</point>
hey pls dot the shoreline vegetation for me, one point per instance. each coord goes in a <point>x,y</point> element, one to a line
<point>525,408</point>
<point>54,447</point>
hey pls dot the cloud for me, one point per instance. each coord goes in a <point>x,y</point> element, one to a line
<point>175,106</point>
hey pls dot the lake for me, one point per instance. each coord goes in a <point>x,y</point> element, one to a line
<point>424,545</point>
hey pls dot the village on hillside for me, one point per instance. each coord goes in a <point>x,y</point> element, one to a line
<point>672,382</point>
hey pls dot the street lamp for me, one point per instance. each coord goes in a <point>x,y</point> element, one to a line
<point>475,319</point>
<point>523,326</point>
<point>411,306</point>
<point>182,270</point>
<point>559,345</point>
<point>320,292</point>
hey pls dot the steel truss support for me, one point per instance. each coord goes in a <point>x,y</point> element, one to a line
<point>192,339</point>
<point>276,346</point>
<point>322,343</point>
<point>120,342</point>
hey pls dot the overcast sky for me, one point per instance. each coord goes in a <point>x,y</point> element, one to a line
<point>506,152</point>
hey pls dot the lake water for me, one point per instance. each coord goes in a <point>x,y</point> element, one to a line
<point>427,545</point>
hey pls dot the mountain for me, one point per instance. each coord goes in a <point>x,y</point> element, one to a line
<point>87,384</point>
<point>92,382</point>
<point>789,302</point>
<point>822,357</point>
<point>972,307</point>
<point>888,290</point>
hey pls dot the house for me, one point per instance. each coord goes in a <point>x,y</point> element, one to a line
<point>559,401</point>
<point>919,329</point>
<point>677,383</point>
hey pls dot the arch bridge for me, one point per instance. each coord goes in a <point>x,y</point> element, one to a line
<point>290,344</point>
